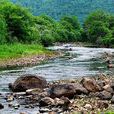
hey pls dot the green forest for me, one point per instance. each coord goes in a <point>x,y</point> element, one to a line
<point>58,8</point>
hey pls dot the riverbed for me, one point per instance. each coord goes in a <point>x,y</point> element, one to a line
<point>77,62</point>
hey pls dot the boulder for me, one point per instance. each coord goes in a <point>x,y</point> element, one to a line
<point>104,95</point>
<point>108,88</point>
<point>66,90</point>
<point>91,84</point>
<point>80,89</point>
<point>28,82</point>
<point>46,101</point>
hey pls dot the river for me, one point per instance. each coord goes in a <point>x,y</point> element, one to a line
<point>76,62</point>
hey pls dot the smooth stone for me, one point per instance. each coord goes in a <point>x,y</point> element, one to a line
<point>88,107</point>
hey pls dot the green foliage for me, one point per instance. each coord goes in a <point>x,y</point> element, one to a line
<point>19,23</point>
<point>70,29</point>
<point>98,28</point>
<point>59,8</point>
<point>8,51</point>
<point>3,30</point>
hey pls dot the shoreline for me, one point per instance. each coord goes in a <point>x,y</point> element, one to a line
<point>28,60</point>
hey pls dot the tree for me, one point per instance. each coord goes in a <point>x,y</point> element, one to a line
<point>20,24</point>
<point>97,28</point>
<point>3,30</point>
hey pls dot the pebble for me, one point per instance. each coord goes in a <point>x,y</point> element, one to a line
<point>88,107</point>
<point>10,98</point>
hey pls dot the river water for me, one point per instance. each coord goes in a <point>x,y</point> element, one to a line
<point>77,62</point>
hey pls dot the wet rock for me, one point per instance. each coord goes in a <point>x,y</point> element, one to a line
<point>102,105</point>
<point>104,95</point>
<point>46,101</point>
<point>88,107</point>
<point>91,85</point>
<point>28,82</point>
<point>66,90</point>
<point>16,106</point>
<point>35,91</point>
<point>1,106</point>
<point>10,98</point>
<point>112,100</point>
<point>10,105</point>
<point>43,110</point>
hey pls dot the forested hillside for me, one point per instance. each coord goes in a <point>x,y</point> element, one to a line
<point>58,8</point>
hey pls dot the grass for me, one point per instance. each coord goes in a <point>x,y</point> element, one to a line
<point>9,51</point>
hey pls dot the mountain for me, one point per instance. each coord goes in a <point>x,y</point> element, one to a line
<point>58,8</point>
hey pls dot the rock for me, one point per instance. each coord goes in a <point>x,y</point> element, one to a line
<point>23,113</point>
<point>58,102</point>
<point>101,83</point>
<point>46,101</point>
<point>10,98</point>
<point>80,89</point>
<point>88,107</point>
<point>28,82</point>
<point>43,110</point>
<point>66,103</point>
<point>91,85</point>
<point>44,94</point>
<point>102,105</point>
<point>52,112</point>
<point>108,88</point>
<point>104,95</point>
<point>112,100</point>
<point>16,106</point>
<point>35,91</point>
<point>1,106</point>
<point>66,90</point>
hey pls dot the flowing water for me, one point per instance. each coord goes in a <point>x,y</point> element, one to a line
<point>77,62</point>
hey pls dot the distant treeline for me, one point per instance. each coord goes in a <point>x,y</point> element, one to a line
<point>17,24</point>
<point>58,8</point>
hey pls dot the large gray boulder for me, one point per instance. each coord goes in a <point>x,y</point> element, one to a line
<point>28,81</point>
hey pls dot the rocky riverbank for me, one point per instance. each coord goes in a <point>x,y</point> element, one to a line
<point>64,97</point>
<point>26,61</point>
